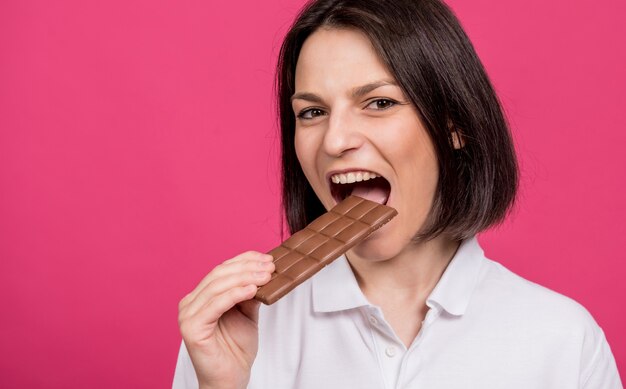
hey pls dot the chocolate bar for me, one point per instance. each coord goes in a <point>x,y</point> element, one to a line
<point>307,251</point>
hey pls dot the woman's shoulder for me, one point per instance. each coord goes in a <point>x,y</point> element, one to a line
<point>537,314</point>
<point>512,292</point>
<point>542,319</point>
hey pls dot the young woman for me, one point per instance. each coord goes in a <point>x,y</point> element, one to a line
<point>388,101</point>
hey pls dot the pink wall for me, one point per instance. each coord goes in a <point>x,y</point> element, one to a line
<point>138,149</point>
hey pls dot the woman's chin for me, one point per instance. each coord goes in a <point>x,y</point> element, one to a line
<point>375,249</point>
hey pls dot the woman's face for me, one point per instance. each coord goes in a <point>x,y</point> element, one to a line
<point>354,122</point>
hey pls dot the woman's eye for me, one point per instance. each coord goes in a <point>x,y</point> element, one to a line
<point>381,104</point>
<point>310,113</point>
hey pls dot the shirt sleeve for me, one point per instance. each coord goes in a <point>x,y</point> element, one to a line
<point>601,371</point>
<point>185,375</point>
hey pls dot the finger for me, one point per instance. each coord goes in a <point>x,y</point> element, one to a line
<point>195,327</point>
<point>248,261</point>
<point>236,274</point>
<point>260,275</point>
<point>214,309</point>
<point>250,309</point>
<point>232,265</point>
<point>248,255</point>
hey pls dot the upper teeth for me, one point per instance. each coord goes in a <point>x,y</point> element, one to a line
<point>351,177</point>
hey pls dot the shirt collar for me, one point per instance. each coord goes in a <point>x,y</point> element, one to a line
<point>454,290</point>
<point>335,288</point>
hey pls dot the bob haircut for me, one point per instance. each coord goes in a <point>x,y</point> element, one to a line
<point>424,47</point>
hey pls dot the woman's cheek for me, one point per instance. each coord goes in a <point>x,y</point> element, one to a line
<point>299,144</point>
<point>306,152</point>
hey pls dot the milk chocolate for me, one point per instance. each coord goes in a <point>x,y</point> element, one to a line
<point>325,239</point>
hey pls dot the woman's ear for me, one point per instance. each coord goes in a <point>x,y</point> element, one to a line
<point>455,136</point>
<point>457,139</point>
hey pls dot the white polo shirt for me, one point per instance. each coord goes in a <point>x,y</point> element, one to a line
<point>486,328</point>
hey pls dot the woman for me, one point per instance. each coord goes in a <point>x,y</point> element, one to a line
<point>388,101</point>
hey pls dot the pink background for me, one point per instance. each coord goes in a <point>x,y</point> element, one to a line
<point>138,148</point>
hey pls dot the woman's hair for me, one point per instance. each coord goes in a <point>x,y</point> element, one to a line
<point>423,46</point>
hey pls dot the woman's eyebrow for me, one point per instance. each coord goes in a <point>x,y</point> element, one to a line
<point>361,91</point>
<point>312,97</point>
<point>357,92</point>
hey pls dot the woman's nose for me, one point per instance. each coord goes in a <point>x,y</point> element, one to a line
<point>342,134</point>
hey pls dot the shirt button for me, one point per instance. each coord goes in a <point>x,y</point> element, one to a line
<point>390,351</point>
<point>373,321</point>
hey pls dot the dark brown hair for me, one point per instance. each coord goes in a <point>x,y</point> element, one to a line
<point>426,50</point>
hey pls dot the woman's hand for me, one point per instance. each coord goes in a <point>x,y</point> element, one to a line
<point>218,320</point>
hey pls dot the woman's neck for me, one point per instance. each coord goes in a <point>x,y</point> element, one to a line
<point>416,268</point>
<point>401,285</point>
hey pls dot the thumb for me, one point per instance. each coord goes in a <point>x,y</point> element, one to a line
<point>250,309</point>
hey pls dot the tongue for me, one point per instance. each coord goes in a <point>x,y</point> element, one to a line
<point>376,194</point>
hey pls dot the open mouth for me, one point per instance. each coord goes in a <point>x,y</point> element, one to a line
<point>364,184</point>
